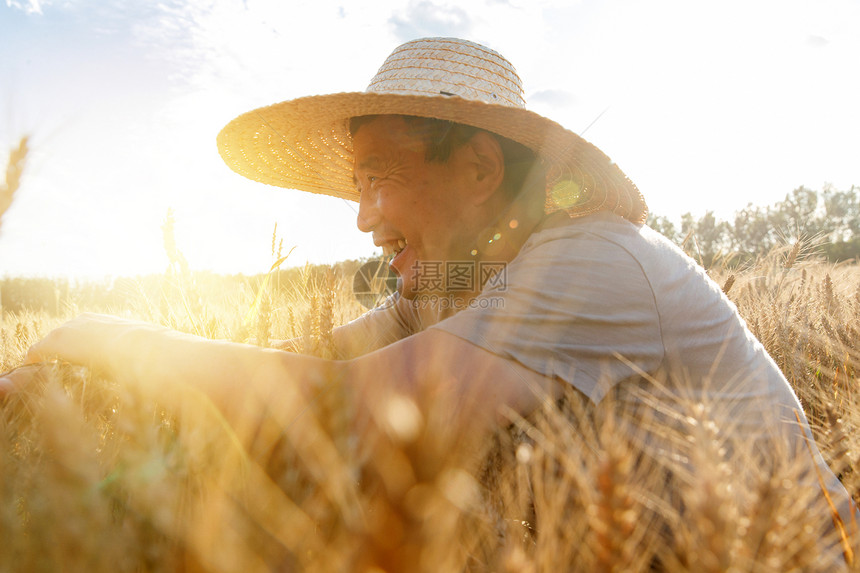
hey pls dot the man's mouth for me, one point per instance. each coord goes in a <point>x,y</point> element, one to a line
<point>394,247</point>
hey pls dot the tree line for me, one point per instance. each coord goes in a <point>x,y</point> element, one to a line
<point>829,219</point>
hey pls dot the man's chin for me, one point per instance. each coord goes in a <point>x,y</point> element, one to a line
<point>407,291</point>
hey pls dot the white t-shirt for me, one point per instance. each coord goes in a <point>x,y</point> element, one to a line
<point>600,301</point>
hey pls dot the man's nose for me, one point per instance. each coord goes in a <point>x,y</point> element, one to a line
<point>368,212</point>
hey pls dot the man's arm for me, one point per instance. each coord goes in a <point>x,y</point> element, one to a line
<point>434,365</point>
<point>431,367</point>
<point>375,329</point>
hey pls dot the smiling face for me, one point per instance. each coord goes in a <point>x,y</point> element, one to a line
<point>422,211</point>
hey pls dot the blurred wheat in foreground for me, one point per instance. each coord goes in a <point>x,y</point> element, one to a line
<point>99,476</point>
<point>15,167</point>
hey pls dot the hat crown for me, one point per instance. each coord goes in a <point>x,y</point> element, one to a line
<point>449,67</point>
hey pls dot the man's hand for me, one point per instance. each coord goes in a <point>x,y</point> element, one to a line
<point>15,379</point>
<point>97,341</point>
<point>23,377</point>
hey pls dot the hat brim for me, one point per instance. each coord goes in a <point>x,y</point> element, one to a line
<point>305,144</point>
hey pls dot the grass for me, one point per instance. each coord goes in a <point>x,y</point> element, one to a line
<point>99,475</point>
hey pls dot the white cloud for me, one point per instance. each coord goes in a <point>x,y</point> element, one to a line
<point>29,6</point>
<point>816,41</point>
<point>553,97</point>
<point>426,18</point>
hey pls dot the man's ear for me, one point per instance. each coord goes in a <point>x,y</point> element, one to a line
<point>484,165</point>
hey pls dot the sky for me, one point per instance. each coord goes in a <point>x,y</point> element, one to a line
<point>705,106</point>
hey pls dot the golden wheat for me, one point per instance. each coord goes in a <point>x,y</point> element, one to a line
<point>96,475</point>
<point>14,169</point>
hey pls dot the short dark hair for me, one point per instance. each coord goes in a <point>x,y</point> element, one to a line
<point>523,168</point>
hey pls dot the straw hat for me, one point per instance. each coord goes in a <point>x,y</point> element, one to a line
<point>305,143</point>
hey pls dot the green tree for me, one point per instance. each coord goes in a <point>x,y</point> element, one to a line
<point>662,225</point>
<point>752,232</point>
<point>841,213</point>
<point>705,239</point>
<point>798,214</point>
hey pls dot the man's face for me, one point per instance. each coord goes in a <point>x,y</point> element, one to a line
<point>414,208</point>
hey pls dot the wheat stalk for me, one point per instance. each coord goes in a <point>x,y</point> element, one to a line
<point>14,169</point>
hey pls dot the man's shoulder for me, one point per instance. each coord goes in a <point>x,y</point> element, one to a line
<point>605,248</point>
<point>602,224</point>
<point>596,232</point>
<point>596,255</point>
<point>602,231</point>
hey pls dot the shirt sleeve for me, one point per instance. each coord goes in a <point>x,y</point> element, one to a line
<point>578,308</point>
<point>393,320</point>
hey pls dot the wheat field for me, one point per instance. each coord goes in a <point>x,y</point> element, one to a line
<point>99,475</point>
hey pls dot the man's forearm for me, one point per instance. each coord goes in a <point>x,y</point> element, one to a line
<point>167,364</point>
<point>229,373</point>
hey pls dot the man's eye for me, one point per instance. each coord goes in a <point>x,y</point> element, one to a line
<point>365,182</point>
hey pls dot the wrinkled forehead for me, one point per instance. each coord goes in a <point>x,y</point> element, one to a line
<point>415,125</point>
<point>384,134</point>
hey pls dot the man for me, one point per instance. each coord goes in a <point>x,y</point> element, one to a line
<point>524,266</point>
